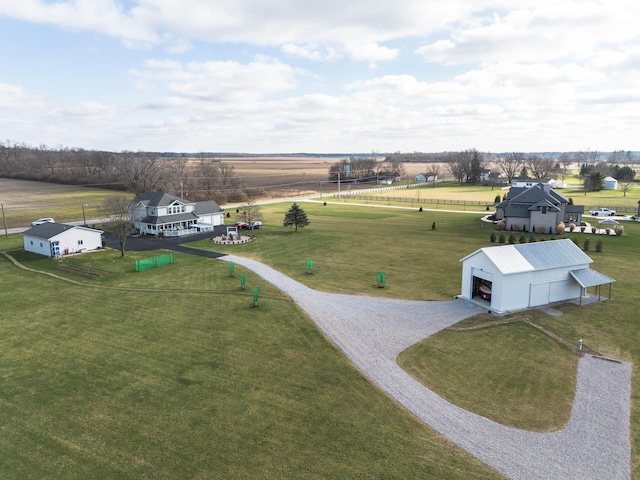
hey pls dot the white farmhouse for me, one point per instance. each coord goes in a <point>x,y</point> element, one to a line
<point>58,239</point>
<point>160,213</point>
<point>515,277</point>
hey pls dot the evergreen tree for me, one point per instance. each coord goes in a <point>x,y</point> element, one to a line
<point>295,217</point>
<point>476,167</point>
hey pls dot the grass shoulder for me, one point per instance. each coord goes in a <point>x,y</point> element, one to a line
<point>510,373</point>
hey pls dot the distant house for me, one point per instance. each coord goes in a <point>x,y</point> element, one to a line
<point>527,182</point>
<point>610,183</point>
<point>515,277</point>
<point>163,214</point>
<point>58,239</point>
<point>423,177</point>
<point>537,208</point>
<point>530,182</point>
<point>493,177</point>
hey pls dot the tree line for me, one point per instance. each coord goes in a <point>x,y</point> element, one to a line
<point>196,178</point>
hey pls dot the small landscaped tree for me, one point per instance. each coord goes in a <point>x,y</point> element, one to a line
<point>295,217</point>
<point>116,210</point>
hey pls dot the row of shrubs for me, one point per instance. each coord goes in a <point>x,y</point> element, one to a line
<point>532,238</point>
<point>560,228</point>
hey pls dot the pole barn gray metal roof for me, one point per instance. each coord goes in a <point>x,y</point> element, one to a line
<point>554,253</point>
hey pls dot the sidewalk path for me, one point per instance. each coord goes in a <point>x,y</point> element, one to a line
<point>373,331</point>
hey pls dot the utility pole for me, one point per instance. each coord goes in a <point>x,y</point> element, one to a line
<point>338,186</point>
<point>4,221</point>
<point>84,218</point>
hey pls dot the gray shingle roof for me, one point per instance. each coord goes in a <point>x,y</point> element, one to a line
<point>48,230</point>
<point>209,206</point>
<point>158,199</point>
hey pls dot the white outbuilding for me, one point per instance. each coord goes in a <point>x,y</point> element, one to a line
<point>610,183</point>
<point>515,277</point>
<point>58,239</point>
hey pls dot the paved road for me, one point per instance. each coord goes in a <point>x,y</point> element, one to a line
<point>595,443</point>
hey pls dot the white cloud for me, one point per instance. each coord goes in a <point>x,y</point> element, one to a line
<point>16,97</point>
<point>104,16</point>
<point>358,29</point>
<point>221,81</point>
<point>540,33</point>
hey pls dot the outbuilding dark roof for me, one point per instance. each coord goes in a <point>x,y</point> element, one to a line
<point>48,230</point>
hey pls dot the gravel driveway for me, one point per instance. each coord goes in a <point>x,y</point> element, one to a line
<point>373,331</point>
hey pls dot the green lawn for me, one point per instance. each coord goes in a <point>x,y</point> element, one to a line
<point>503,381</point>
<point>112,383</point>
<point>191,381</point>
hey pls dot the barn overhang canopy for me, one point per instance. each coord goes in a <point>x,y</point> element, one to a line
<point>590,278</point>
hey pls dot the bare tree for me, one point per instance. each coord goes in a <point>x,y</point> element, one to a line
<point>116,210</point>
<point>205,177</point>
<point>540,167</point>
<point>142,172</point>
<point>511,164</point>
<point>565,161</point>
<point>179,171</point>
<point>432,171</point>
<point>250,211</point>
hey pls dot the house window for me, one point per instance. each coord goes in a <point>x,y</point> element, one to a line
<point>31,242</point>
<point>544,210</point>
<point>41,244</point>
<point>80,242</point>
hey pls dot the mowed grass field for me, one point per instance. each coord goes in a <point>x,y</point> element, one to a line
<point>24,201</point>
<point>188,380</point>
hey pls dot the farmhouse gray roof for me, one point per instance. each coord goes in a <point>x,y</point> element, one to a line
<point>163,199</point>
<point>158,199</point>
<point>179,217</point>
<point>208,206</point>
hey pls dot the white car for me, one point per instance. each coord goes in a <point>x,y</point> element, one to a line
<point>254,225</point>
<point>40,221</point>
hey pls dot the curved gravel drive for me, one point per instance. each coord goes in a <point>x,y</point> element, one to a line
<point>373,331</point>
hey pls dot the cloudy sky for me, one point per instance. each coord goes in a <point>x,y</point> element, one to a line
<point>326,76</point>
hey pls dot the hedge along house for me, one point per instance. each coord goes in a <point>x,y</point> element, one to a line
<point>515,277</point>
<point>537,208</point>
<point>163,214</point>
<point>58,239</point>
